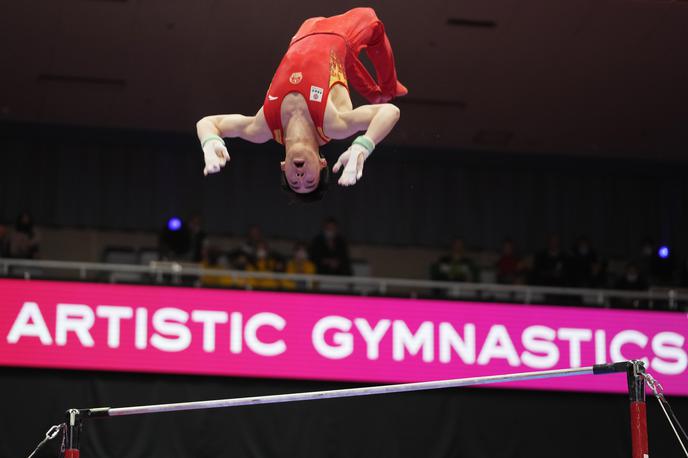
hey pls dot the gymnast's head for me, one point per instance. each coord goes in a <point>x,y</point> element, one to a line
<point>305,175</point>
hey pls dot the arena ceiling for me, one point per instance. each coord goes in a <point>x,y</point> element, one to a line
<point>595,77</point>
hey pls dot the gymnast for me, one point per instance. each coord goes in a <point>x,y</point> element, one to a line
<point>308,103</point>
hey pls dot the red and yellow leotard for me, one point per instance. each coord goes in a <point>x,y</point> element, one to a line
<point>323,53</point>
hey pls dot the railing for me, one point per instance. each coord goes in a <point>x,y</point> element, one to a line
<point>180,273</point>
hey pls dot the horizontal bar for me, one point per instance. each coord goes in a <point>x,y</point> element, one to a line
<point>352,392</point>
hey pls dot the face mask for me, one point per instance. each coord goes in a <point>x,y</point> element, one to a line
<point>300,255</point>
<point>261,253</point>
<point>329,234</point>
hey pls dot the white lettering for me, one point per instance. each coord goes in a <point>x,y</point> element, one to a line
<point>536,340</point>
<point>669,345</point>
<point>451,340</point>
<point>114,314</point>
<point>600,347</point>
<point>77,318</point>
<point>626,337</point>
<point>372,336</point>
<point>29,323</point>
<point>256,322</point>
<point>575,337</point>
<point>170,321</point>
<point>141,337</point>
<point>209,319</point>
<point>344,340</point>
<point>405,341</point>
<point>235,340</point>
<point>498,344</point>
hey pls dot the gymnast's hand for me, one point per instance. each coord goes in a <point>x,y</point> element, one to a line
<point>353,159</point>
<point>215,155</point>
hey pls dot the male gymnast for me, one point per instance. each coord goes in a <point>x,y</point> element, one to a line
<point>308,103</point>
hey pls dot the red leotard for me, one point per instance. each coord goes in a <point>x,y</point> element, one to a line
<point>324,52</point>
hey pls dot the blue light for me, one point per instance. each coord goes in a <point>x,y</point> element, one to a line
<point>174,224</point>
<point>663,252</point>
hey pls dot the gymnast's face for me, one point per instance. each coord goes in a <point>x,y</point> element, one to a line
<point>302,167</point>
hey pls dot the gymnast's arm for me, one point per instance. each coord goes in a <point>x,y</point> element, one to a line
<point>211,129</point>
<point>376,120</point>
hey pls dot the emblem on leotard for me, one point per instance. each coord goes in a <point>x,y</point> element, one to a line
<point>295,78</point>
<point>316,93</point>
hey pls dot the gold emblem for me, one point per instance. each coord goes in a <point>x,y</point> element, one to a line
<point>295,78</point>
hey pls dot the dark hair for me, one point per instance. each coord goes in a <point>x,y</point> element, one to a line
<point>313,196</point>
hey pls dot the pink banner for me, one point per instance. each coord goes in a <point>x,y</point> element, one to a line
<point>308,336</point>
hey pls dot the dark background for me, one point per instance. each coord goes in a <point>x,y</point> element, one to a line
<point>477,423</point>
<point>123,179</point>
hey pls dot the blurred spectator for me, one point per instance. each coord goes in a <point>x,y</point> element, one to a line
<point>174,241</point>
<point>683,276</point>
<point>23,241</point>
<point>198,237</point>
<point>598,274</point>
<point>253,239</point>
<point>549,267</point>
<point>645,258</point>
<point>264,262</point>
<point>329,250</point>
<point>212,258</point>
<point>299,264</point>
<point>510,267</point>
<point>581,262</point>
<point>241,261</point>
<point>4,241</point>
<point>656,264</point>
<point>455,266</point>
<point>632,279</point>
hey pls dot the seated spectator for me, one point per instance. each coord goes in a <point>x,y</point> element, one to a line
<point>23,241</point>
<point>198,237</point>
<point>581,262</point>
<point>510,267</point>
<point>264,262</point>
<point>330,251</point>
<point>549,266</point>
<point>4,241</point>
<point>299,264</point>
<point>455,266</point>
<point>632,280</point>
<point>212,258</point>
<point>241,261</point>
<point>253,238</point>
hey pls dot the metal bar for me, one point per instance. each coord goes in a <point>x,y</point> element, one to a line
<point>343,393</point>
<point>638,409</point>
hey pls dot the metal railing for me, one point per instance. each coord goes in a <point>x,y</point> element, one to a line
<point>181,273</point>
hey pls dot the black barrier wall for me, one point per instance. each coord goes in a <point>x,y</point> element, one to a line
<point>466,423</point>
<point>103,178</point>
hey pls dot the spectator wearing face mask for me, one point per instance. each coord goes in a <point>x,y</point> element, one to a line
<point>299,264</point>
<point>264,262</point>
<point>330,251</point>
